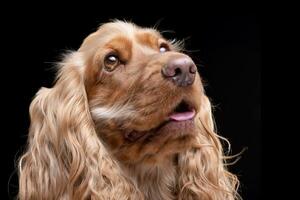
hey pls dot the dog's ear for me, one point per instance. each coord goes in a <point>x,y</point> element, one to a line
<point>60,131</point>
<point>65,159</point>
<point>201,170</point>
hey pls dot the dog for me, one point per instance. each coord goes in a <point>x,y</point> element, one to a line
<point>127,118</point>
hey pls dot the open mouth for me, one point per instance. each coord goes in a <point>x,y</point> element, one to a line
<point>182,112</point>
<point>179,120</point>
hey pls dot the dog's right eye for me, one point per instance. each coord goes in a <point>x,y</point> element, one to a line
<point>111,61</point>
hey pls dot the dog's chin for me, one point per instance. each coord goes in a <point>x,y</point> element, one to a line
<point>177,128</point>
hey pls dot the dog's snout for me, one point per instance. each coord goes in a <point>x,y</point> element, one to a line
<point>180,70</point>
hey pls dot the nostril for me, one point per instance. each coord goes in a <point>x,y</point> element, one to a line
<point>177,71</point>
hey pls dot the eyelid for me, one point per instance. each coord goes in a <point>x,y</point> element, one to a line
<point>112,52</point>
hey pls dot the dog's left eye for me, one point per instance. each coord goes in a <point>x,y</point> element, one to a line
<point>111,62</point>
<point>163,48</point>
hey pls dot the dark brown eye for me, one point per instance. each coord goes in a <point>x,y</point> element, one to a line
<point>111,61</point>
<point>164,48</point>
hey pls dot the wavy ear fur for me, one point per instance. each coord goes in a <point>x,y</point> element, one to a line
<point>202,171</point>
<point>65,159</point>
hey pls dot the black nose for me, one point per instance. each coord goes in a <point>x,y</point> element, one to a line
<point>180,70</point>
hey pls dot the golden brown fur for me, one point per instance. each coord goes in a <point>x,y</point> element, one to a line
<point>78,146</point>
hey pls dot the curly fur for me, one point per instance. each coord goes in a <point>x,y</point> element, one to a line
<point>68,158</point>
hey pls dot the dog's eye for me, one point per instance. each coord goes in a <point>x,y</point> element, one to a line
<point>111,62</point>
<point>163,48</point>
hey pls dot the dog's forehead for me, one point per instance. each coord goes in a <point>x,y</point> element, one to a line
<point>134,33</point>
<point>109,31</point>
<point>128,29</point>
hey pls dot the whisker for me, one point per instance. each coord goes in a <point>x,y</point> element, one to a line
<point>157,24</point>
<point>167,31</point>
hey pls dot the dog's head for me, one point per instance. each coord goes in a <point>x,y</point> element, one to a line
<point>143,93</point>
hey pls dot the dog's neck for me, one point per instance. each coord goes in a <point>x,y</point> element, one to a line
<point>155,181</point>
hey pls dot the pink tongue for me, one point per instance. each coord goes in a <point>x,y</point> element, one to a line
<point>182,116</point>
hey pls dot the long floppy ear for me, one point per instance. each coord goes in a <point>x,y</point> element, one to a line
<point>202,174</point>
<point>65,159</point>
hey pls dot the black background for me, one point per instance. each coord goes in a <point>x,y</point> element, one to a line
<point>226,47</point>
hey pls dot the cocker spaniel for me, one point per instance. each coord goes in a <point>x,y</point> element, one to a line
<point>127,118</point>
